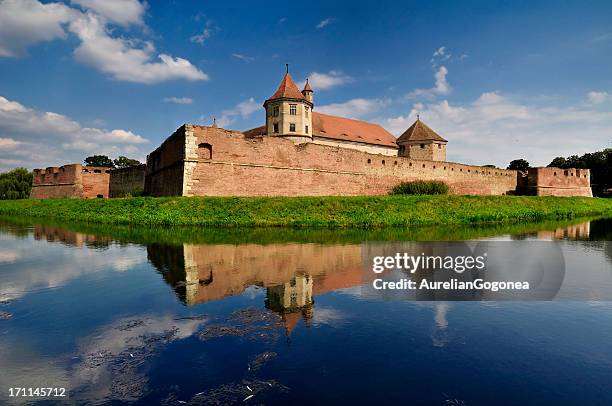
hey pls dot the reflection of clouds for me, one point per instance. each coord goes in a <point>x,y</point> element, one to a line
<point>8,256</point>
<point>40,265</point>
<point>328,316</point>
<point>441,310</point>
<point>439,336</point>
<point>108,363</point>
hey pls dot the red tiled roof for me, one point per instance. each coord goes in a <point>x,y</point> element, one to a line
<point>348,129</point>
<point>419,132</point>
<point>340,128</point>
<point>288,89</point>
<point>307,87</point>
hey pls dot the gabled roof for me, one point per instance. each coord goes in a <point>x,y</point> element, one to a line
<point>287,89</point>
<point>419,132</point>
<point>343,129</point>
<point>348,129</point>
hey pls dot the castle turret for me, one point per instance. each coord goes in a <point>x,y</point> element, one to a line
<point>289,111</point>
<point>421,142</point>
<point>307,92</point>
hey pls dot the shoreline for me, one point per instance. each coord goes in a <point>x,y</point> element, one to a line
<point>310,212</point>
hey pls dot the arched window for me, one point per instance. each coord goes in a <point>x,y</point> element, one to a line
<point>205,151</point>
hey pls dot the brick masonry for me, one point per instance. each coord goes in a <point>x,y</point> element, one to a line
<point>71,180</point>
<point>128,181</point>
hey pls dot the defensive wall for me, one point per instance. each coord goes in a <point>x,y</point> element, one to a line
<point>71,180</point>
<point>210,161</point>
<point>559,182</point>
<point>129,181</point>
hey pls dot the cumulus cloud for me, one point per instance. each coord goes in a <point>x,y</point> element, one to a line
<point>597,97</point>
<point>324,23</point>
<point>441,87</point>
<point>24,23</point>
<point>354,108</point>
<point>324,81</point>
<point>494,129</point>
<point>243,110</point>
<point>123,59</point>
<point>122,12</point>
<point>48,138</point>
<point>178,100</point>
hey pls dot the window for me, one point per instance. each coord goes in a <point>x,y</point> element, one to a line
<point>439,146</point>
<point>402,149</point>
<point>293,109</point>
<point>97,171</point>
<point>306,112</point>
<point>292,128</point>
<point>383,162</point>
<point>306,129</point>
<point>205,151</point>
<point>422,145</point>
<point>275,111</point>
<point>369,161</point>
<point>276,127</point>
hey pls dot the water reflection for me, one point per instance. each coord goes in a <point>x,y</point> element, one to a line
<point>128,315</point>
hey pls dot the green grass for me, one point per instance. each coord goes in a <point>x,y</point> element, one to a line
<point>364,212</point>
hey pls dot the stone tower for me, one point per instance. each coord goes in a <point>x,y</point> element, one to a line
<point>421,142</point>
<point>289,111</point>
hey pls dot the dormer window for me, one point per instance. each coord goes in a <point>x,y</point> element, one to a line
<point>293,109</point>
<point>275,111</point>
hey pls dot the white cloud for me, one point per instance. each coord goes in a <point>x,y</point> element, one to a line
<point>178,100</point>
<point>244,58</point>
<point>324,81</point>
<point>207,32</point>
<point>440,55</point>
<point>121,59</point>
<point>354,108</point>
<point>324,23</point>
<point>27,22</point>
<point>441,87</point>
<point>496,129</point>
<point>244,109</point>
<point>49,139</point>
<point>597,97</point>
<point>122,12</point>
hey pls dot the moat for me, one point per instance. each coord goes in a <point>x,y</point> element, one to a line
<point>280,316</point>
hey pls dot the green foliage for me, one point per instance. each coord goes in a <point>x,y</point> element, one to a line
<point>600,164</point>
<point>124,162</point>
<point>519,165</point>
<point>420,187</point>
<point>15,184</point>
<point>357,211</point>
<point>99,160</point>
<point>489,166</point>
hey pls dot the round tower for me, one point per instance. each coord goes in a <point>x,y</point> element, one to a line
<point>289,111</point>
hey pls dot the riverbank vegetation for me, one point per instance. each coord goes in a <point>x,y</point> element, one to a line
<point>359,211</point>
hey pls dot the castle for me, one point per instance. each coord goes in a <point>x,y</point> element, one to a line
<point>300,152</point>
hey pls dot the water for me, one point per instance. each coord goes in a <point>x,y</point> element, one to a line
<point>123,315</point>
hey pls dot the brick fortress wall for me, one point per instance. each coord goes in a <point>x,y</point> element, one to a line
<point>218,162</point>
<point>72,180</point>
<point>128,181</point>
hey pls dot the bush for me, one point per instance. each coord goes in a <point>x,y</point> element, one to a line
<point>420,187</point>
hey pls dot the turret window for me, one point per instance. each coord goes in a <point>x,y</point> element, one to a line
<point>306,109</point>
<point>292,128</point>
<point>306,129</point>
<point>293,109</point>
<point>276,127</point>
<point>275,111</point>
<point>422,145</point>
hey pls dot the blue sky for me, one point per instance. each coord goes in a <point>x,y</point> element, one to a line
<point>499,80</point>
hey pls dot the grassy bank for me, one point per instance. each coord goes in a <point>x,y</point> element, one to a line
<point>374,211</point>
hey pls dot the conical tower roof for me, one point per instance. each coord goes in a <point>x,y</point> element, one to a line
<point>287,89</point>
<point>307,87</point>
<point>419,131</point>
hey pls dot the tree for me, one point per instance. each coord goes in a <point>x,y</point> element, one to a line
<point>489,166</point>
<point>15,184</point>
<point>99,160</point>
<point>558,162</point>
<point>519,165</point>
<point>124,162</point>
<point>599,163</point>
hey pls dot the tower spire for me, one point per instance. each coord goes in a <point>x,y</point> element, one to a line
<point>287,66</point>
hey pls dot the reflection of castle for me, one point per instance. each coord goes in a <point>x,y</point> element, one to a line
<point>291,273</point>
<point>55,234</point>
<point>292,300</point>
